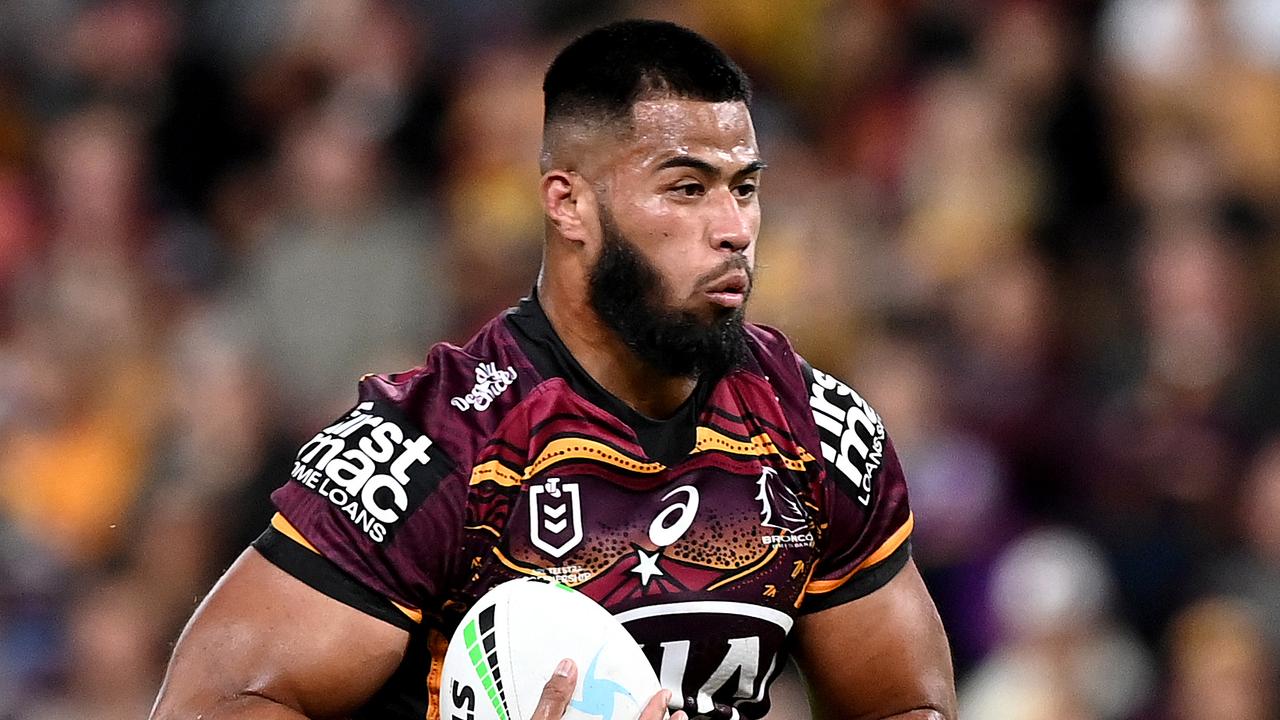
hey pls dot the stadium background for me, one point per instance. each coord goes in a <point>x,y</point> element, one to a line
<point>1041,237</point>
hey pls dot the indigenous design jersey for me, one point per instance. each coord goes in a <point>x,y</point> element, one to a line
<point>773,492</point>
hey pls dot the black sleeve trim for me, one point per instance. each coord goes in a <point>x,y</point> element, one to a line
<point>862,584</point>
<point>314,570</point>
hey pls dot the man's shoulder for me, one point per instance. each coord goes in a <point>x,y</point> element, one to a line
<point>460,393</point>
<point>771,349</point>
<point>776,361</point>
<point>826,403</point>
<point>767,336</point>
<point>777,357</point>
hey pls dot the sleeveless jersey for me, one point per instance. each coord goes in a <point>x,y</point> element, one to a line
<point>773,492</point>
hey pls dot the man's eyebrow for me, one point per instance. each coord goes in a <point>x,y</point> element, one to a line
<point>694,163</point>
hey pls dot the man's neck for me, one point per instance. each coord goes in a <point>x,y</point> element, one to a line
<point>609,361</point>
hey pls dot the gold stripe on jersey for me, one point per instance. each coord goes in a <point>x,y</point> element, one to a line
<point>437,646</point>
<point>580,448</point>
<point>518,568</point>
<point>286,528</point>
<point>495,471</point>
<point>414,615</point>
<point>760,445</point>
<point>562,449</point>
<point>753,567</point>
<point>808,578</point>
<point>559,450</point>
<point>886,549</point>
<point>488,528</point>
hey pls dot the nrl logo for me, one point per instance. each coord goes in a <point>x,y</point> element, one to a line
<point>490,383</point>
<point>555,517</point>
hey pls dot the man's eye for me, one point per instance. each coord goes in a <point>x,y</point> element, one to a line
<point>745,190</point>
<point>689,189</point>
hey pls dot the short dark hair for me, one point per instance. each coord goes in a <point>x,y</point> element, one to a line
<point>605,72</point>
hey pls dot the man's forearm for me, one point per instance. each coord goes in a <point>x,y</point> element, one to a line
<point>247,706</point>
<point>925,713</point>
<point>920,714</point>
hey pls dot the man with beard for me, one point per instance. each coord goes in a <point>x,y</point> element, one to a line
<point>623,430</point>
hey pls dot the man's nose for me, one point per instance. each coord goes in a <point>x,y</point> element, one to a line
<point>730,223</point>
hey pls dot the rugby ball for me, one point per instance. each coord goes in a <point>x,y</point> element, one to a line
<point>509,643</point>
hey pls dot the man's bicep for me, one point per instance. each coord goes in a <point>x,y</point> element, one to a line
<point>261,633</point>
<point>881,655</point>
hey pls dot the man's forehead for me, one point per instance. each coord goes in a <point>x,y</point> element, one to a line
<point>667,127</point>
<point>675,113</point>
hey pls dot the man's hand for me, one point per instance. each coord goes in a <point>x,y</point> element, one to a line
<point>558,691</point>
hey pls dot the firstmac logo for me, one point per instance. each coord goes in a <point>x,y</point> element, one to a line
<point>851,433</point>
<point>372,465</point>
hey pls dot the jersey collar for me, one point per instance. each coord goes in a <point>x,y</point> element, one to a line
<point>663,440</point>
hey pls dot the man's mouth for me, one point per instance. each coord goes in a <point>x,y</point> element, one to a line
<point>730,290</point>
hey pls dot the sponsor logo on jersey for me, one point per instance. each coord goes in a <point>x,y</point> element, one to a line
<point>731,668</point>
<point>555,517</point>
<point>851,433</point>
<point>490,383</point>
<point>675,519</point>
<point>567,574</point>
<point>666,528</point>
<point>373,466</point>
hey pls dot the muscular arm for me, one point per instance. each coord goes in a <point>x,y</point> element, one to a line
<point>265,646</point>
<point>879,657</point>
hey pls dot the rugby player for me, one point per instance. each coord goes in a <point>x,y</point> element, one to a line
<point>623,430</point>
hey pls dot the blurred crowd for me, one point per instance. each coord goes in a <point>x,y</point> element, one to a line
<point>1041,237</point>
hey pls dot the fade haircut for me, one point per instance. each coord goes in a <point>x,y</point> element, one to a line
<point>596,79</point>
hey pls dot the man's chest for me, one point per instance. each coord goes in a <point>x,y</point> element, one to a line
<point>739,528</point>
<point>704,560</point>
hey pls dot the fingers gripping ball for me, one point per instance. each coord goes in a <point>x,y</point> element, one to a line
<point>512,640</point>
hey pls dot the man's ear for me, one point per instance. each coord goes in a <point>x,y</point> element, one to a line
<point>569,202</point>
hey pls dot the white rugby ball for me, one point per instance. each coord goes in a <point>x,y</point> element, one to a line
<point>509,643</point>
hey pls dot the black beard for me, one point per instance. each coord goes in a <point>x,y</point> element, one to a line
<point>627,292</point>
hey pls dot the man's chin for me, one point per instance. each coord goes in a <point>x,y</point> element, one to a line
<point>711,314</point>
<point>684,343</point>
<point>729,318</point>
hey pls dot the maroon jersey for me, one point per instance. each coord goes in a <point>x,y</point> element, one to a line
<point>772,492</point>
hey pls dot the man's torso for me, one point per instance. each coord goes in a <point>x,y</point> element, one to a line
<point>701,533</point>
